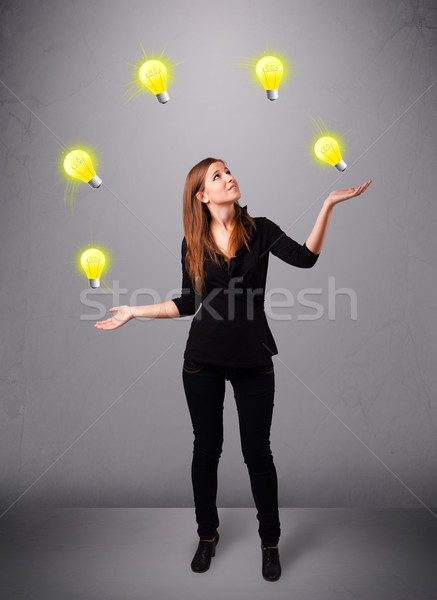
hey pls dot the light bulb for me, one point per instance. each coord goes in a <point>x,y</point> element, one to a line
<point>153,75</point>
<point>78,164</point>
<point>269,69</point>
<point>92,262</point>
<point>326,149</point>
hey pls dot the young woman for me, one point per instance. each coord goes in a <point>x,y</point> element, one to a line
<point>224,257</point>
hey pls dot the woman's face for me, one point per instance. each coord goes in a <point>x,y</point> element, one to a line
<point>221,187</point>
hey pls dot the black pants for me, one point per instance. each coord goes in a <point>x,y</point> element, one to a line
<point>254,389</point>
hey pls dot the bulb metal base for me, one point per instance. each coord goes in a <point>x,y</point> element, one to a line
<point>95,182</point>
<point>94,283</point>
<point>272,94</point>
<point>341,165</point>
<point>163,97</point>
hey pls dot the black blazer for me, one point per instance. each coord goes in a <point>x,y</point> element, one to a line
<point>231,328</point>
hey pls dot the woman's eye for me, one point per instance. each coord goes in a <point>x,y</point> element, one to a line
<point>218,174</point>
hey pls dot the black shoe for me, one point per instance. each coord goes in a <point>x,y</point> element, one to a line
<point>271,569</point>
<point>202,558</point>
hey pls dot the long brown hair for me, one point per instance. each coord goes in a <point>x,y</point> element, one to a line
<point>196,218</point>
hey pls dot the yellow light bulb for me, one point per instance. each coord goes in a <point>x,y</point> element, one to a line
<point>153,75</point>
<point>78,164</point>
<point>326,149</point>
<point>92,262</point>
<point>269,70</point>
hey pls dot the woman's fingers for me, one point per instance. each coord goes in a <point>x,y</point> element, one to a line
<point>112,322</point>
<point>337,196</point>
<point>107,326</point>
<point>364,187</point>
<point>103,324</point>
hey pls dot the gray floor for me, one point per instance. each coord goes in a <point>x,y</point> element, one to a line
<point>145,553</point>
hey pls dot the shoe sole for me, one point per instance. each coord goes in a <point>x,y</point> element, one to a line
<point>276,579</point>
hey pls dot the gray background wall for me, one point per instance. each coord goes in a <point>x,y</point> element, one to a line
<point>95,418</point>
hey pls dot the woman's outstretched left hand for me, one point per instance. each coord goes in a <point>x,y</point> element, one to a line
<point>337,196</point>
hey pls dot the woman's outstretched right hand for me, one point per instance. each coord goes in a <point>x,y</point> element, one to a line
<point>122,316</point>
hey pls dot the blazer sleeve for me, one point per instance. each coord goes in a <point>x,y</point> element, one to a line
<point>287,249</point>
<point>186,302</point>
